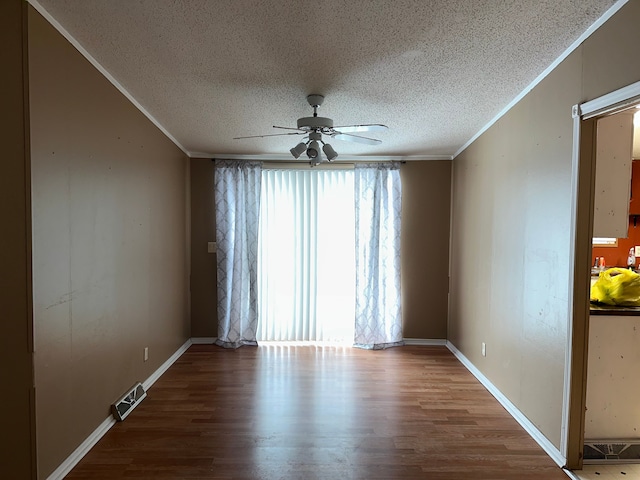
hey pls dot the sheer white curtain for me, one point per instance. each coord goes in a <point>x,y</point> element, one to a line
<point>378,200</point>
<point>237,198</point>
<point>306,256</point>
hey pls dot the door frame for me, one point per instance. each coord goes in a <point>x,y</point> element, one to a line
<point>585,116</point>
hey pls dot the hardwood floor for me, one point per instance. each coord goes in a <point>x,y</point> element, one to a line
<point>278,412</point>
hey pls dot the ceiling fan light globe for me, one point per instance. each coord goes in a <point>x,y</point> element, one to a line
<point>329,152</point>
<point>298,149</point>
<point>314,149</point>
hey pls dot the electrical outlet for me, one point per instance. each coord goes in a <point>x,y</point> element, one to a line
<point>484,349</point>
<point>146,353</point>
<point>212,247</point>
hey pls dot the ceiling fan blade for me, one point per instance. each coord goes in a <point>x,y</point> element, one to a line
<point>289,128</point>
<point>357,138</point>
<point>270,135</point>
<point>376,127</point>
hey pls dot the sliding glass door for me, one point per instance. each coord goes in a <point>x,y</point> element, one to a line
<point>306,256</point>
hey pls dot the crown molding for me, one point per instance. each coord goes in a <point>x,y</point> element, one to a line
<point>49,18</point>
<point>342,158</point>
<point>587,33</point>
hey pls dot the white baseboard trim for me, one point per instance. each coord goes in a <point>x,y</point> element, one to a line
<point>163,368</point>
<point>524,422</point>
<point>203,340</point>
<point>427,342</point>
<point>570,474</point>
<point>431,342</point>
<point>72,460</point>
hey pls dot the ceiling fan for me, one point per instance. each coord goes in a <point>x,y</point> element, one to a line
<point>313,128</point>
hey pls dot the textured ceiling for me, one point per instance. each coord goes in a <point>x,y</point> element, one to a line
<point>434,71</point>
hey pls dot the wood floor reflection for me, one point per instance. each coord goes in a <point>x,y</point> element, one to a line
<point>304,412</point>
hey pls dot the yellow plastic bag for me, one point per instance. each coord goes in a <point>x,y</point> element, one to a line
<point>617,286</point>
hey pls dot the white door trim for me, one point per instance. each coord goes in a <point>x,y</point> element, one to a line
<point>608,103</point>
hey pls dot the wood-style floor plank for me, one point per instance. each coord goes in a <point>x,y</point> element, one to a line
<point>304,412</point>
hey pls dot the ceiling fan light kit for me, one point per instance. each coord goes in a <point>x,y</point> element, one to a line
<point>298,149</point>
<point>329,152</point>
<point>313,150</point>
<point>314,127</point>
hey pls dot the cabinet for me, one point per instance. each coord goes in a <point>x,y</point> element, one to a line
<point>614,143</point>
<point>613,410</point>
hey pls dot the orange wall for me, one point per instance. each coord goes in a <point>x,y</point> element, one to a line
<point>617,256</point>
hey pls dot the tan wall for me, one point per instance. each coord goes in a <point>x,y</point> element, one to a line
<point>204,316</point>
<point>511,227</point>
<point>425,247</point>
<point>110,273</point>
<point>17,435</point>
<point>426,198</point>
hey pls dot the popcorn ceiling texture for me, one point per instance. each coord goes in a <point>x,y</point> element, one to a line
<point>434,71</point>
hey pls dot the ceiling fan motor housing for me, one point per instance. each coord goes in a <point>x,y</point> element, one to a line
<point>311,123</point>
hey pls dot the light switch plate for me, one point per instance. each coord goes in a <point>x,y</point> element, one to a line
<point>211,247</point>
<point>637,252</point>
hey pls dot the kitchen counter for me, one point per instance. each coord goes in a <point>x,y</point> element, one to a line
<point>601,309</point>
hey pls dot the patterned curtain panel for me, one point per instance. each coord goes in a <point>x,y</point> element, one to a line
<point>378,201</point>
<point>237,197</point>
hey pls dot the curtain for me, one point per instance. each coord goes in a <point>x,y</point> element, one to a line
<point>378,199</point>
<point>306,256</point>
<point>237,198</point>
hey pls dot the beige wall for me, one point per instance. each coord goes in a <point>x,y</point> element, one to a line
<point>426,198</point>
<point>204,316</point>
<point>17,435</point>
<point>425,247</point>
<point>511,227</point>
<point>110,273</point>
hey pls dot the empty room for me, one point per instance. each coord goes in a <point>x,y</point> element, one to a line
<point>305,240</point>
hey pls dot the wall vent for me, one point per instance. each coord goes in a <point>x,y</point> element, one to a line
<point>127,403</point>
<point>601,452</point>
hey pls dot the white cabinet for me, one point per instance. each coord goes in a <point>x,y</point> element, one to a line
<point>613,383</point>
<point>614,146</point>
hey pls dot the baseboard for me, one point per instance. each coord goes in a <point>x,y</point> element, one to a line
<point>427,342</point>
<point>431,342</point>
<point>524,422</point>
<point>570,474</point>
<point>72,460</point>
<point>203,340</point>
<point>163,368</point>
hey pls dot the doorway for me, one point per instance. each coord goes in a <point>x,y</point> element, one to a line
<point>585,117</point>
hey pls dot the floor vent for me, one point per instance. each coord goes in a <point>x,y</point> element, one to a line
<point>126,404</point>
<point>610,451</point>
